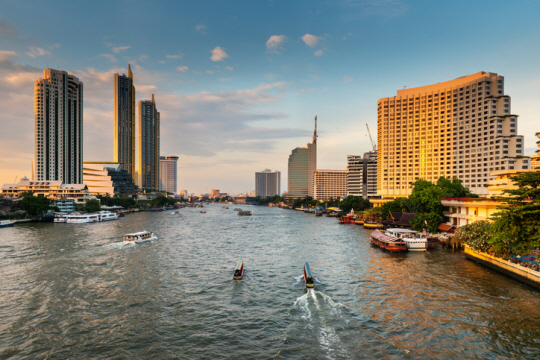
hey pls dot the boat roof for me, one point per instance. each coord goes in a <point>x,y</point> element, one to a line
<point>397,230</point>
<point>239,264</point>
<point>308,271</point>
<point>137,233</point>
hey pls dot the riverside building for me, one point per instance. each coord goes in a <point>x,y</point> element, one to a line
<point>267,183</point>
<point>362,175</point>
<point>461,128</point>
<point>124,121</point>
<point>58,118</point>
<point>168,174</point>
<point>329,184</point>
<point>302,164</point>
<point>148,169</point>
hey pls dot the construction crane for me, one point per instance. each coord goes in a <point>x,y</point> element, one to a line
<point>370,139</point>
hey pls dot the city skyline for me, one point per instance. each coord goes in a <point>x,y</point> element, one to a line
<point>238,88</point>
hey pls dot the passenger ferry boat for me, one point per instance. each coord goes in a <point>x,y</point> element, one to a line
<point>6,223</point>
<point>60,217</point>
<point>139,237</point>
<point>244,213</point>
<point>90,218</point>
<point>415,240</point>
<point>387,242</point>
<point>308,278</point>
<point>239,270</point>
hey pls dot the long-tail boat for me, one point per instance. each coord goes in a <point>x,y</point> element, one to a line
<point>239,271</point>
<point>308,278</point>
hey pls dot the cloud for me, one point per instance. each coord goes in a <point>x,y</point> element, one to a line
<point>196,72</point>
<point>318,52</point>
<point>209,72</point>
<point>311,40</point>
<point>201,28</point>
<point>218,54</point>
<point>6,55</point>
<point>229,68</point>
<point>182,69</point>
<point>347,78</point>
<point>174,56</point>
<point>110,57</point>
<point>275,42</point>
<point>36,51</point>
<point>119,49</point>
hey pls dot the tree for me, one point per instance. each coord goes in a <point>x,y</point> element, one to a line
<point>477,235</point>
<point>357,203</point>
<point>517,225</point>
<point>160,201</point>
<point>92,205</point>
<point>398,205</point>
<point>34,205</point>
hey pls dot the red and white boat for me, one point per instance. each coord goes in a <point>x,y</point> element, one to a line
<point>389,243</point>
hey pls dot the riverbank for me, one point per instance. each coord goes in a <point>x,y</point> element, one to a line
<point>506,267</point>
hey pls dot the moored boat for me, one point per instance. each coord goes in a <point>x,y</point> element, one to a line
<point>239,270</point>
<point>415,241</point>
<point>244,213</point>
<point>6,223</point>
<point>387,242</point>
<point>371,225</point>
<point>60,217</point>
<point>237,209</point>
<point>308,278</point>
<point>139,237</point>
<point>359,222</point>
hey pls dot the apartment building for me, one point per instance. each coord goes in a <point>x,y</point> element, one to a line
<point>149,127</point>
<point>362,175</point>
<point>461,128</point>
<point>124,121</point>
<point>329,184</point>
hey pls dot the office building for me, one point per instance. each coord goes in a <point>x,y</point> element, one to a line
<point>362,175</point>
<point>58,109</point>
<point>302,164</point>
<point>460,128</point>
<point>214,193</point>
<point>108,178</point>
<point>168,174</point>
<point>148,169</point>
<point>267,183</point>
<point>124,121</point>
<point>329,184</point>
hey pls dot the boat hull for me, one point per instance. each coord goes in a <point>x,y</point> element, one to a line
<point>388,243</point>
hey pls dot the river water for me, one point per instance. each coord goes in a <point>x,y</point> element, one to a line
<point>68,291</point>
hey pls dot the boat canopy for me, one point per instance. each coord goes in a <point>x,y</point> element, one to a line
<point>138,233</point>
<point>239,265</point>
<point>308,271</point>
<point>398,230</point>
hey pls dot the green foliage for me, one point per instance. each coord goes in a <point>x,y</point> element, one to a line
<point>92,205</point>
<point>517,225</point>
<point>398,205</point>
<point>18,214</point>
<point>160,201</point>
<point>34,205</point>
<point>267,199</point>
<point>307,201</point>
<point>357,203</point>
<point>477,235</point>
<point>224,198</point>
<point>118,200</point>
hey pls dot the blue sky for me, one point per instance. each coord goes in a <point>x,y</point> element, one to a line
<point>238,83</point>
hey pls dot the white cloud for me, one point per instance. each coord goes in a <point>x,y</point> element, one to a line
<point>318,52</point>
<point>110,57</point>
<point>174,56</point>
<point>218,54</point>
<point>311,40</point>
<point>6,55</point>
<point>182,69</point>
<point>229,68</point>
<point>275,42</point>
<point>209,72</point>
<point>118,49</point>
<point>201,28</point>
<point>36,51</point>
<point>347,78</point>
<point>196,72</point>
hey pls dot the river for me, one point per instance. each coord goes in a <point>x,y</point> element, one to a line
<point>69,291</point>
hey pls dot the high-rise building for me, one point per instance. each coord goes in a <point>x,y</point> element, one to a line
<point>267,183</point>
<point>362,174</point>
<point>214,193</point>
<point>329,184</point>
<point>148,170</point>
<point>108,178</point>
<point>302,164</point>
<point>461,128</point>
<point>58,109</point>
<point>124,121</point>
<point>168,174</point>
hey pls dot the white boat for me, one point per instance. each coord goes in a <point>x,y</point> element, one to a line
<point>6,223</point>
<point>139,237</point>
<point>90,218</point>
<point>60,217</point>
<point>415,241</point>
<point>107,215</point>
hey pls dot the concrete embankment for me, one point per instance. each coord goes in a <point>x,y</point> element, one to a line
<point>518,272</point>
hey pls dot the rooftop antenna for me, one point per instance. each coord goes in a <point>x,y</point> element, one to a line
<point>315,132</point>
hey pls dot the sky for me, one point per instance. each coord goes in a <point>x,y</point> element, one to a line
<point>239,83</point>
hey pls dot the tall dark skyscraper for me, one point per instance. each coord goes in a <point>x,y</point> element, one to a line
<point>148,145</point>
<point>124,121</point>
<point>58,108</point>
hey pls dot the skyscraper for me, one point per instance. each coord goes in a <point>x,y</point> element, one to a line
<point>460,128</point>
<point>124,121</point>
<point>148,145</point>
<point>302,164</point>
<point>168,174</point>
<point>58,108</point>
<point>267,183</point>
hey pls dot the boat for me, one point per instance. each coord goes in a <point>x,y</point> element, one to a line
<point>107,215</point>
<point>239,270</point>
<point>203,212</point>
<point>154,209</point>
<point>359,222</point>
<point>139,237</point>
<point>308,278</point>
<point>237,209</point>
<point>244,213</point>
<point>371,225</point>
<point>90,218</point>
<point>60,217</point>
<point>224,207</point>
<point>6,223</point>
<point>415,240</point>
<point>175,212</point>
<point>388,242</point>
